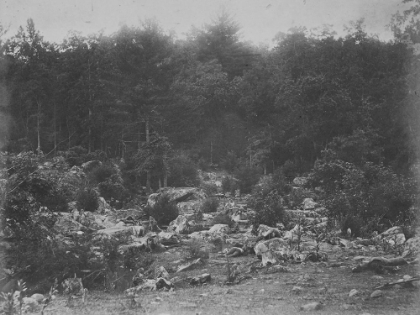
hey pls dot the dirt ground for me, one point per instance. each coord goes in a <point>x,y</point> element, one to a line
<point>264,291</point>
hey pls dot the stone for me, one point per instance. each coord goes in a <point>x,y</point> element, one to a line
<point>412,246</point>
<point>314,306</point>
<point>38,297</point>
<point>201,279</point>
<point>376,294</point>
<point>103,206</point>
<point>300,181</point>
<point>178,194</point>
<point>353,292</point>
<point>309,204</point>
<point>66,225</point>
<point>268,232</point>
<point>179,225</point>
<point>219,229</point>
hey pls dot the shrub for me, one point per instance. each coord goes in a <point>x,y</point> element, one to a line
<point>110,190</point>
<point>163,211</point>
<point>248,177</point>
<point>87,200</point>
<point>269,209</point>
<point>210,205</point>
<point>183,172</point>
<point>229,184</point>
<point>209,188</point>
<point>101,173</point>
<point>374,194</point>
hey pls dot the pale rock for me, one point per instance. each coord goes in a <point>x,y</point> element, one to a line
<point>309,204</point>
<point>353,292</point>
<point>376,294</point>
<point>314,306</point>
<point>179,225</point>
<point>219,229</point>
<point>300,181</point>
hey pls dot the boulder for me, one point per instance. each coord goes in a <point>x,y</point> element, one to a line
<point>393,236</point>
<point>268,232</point>
<point>309,204</point>
<point>90,165</point>
<point>300,181</point>
<point>179,225</point>
<point>178,194</point>
<point>219,229</point>
<point>294,233</point>
<point>66,225</point>
<point>103,206</point>
<point>412,246</point>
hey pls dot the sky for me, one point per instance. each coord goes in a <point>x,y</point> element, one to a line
<point>260,20</point>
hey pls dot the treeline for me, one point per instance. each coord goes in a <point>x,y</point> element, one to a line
<point>143,96</point>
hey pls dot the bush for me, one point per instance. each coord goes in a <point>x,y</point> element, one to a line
<point>248,177</point>
<point>110,190</point>
<point>87,200</point>
<point>210,205</point>
<point>269,209</point>
<point>373,194</point>
<point>209,188</point>
<point>183,172</point>
<point>229,184</point>
<point>163,211</point>
<point>101,173</point>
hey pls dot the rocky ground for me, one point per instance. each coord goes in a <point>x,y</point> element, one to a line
<point>213,263</point>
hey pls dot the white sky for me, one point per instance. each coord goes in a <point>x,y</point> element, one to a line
<point>260,19</point>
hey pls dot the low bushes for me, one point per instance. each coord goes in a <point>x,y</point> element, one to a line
<point>87,200</point>
<point>163,211</point>
<point>210,205</point>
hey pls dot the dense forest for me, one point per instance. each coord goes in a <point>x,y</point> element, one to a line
<point>154,103</point>
<point>211,96</point>
<point>111,118</point>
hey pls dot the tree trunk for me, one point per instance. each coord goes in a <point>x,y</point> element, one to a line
<point>38,125</point>
<point>165,179</point>
<point>148,173</point>
<point>55,128</point>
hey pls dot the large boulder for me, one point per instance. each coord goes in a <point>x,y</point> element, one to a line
<point>393,236</point>
<point>178,194</point>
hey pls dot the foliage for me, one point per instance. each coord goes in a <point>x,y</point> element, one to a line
<point>209,188</point>
<point>33,183</point>
<point>210,205</point>
<point>163,211</point>
<point>247,176</point>
<point>229,184</point>
<point>101,173</point>
<point>269,209</point>
<point>87,200</point>
<point>183,172</point>
<point>370,194</point>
